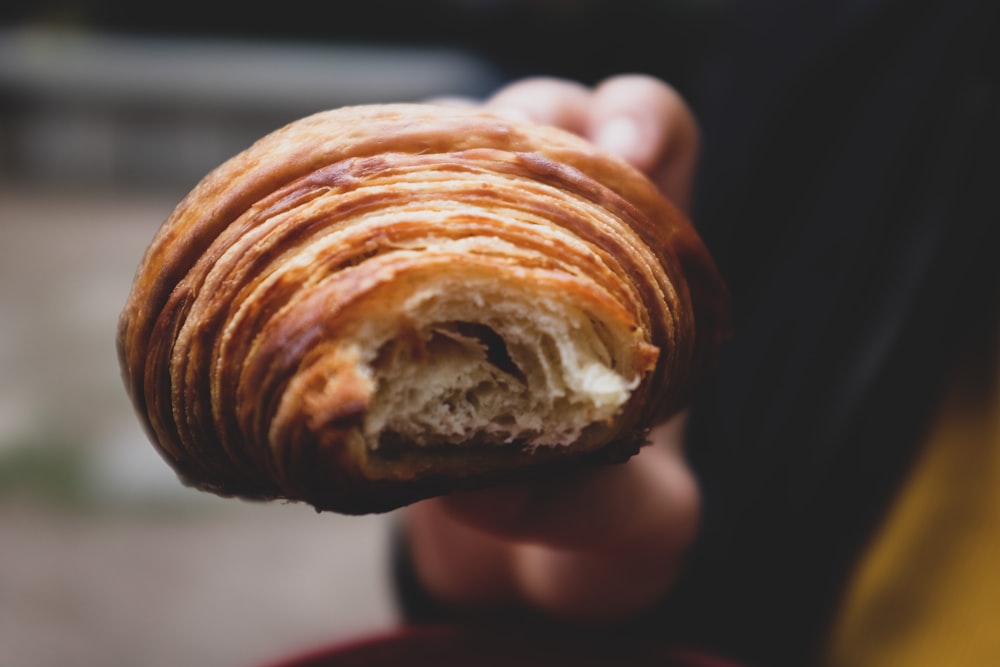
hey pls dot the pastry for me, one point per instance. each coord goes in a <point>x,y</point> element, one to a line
<point>380,303</point>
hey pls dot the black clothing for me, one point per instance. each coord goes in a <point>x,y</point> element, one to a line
<point>847,191</point>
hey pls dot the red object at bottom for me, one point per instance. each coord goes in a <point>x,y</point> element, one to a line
<point>454,646</point>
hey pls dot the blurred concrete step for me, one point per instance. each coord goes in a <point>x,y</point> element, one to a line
<point>113,108</point>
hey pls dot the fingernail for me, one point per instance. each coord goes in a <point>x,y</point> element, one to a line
<point>619,135</point>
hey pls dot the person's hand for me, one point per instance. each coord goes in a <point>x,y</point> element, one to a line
<point>606,543</point>
<point>638,117</point>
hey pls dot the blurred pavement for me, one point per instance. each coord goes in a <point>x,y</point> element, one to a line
<point>105,559</point>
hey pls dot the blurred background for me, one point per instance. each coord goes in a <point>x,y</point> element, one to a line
<point>109,113</point>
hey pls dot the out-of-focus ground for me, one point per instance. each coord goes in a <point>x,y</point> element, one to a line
<point>106,560</point>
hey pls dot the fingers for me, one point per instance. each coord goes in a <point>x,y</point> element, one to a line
<point>647,122</point>
<point>651,501</point>
<point>652,110</point>
<point>634,116</point>
<point>544,100</point>
<point>457,563</point>
<point>592,547</point>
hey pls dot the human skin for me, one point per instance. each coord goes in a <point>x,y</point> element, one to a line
<point>594,546</point>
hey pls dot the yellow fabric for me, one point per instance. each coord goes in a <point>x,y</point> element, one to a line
<point>928,590</point>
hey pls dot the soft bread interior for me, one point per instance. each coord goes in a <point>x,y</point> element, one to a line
<point>475,365</point>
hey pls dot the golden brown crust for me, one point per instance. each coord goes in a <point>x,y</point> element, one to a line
<point>249,336</point>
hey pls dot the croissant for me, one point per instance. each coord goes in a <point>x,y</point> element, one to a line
<point>381,303</point>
